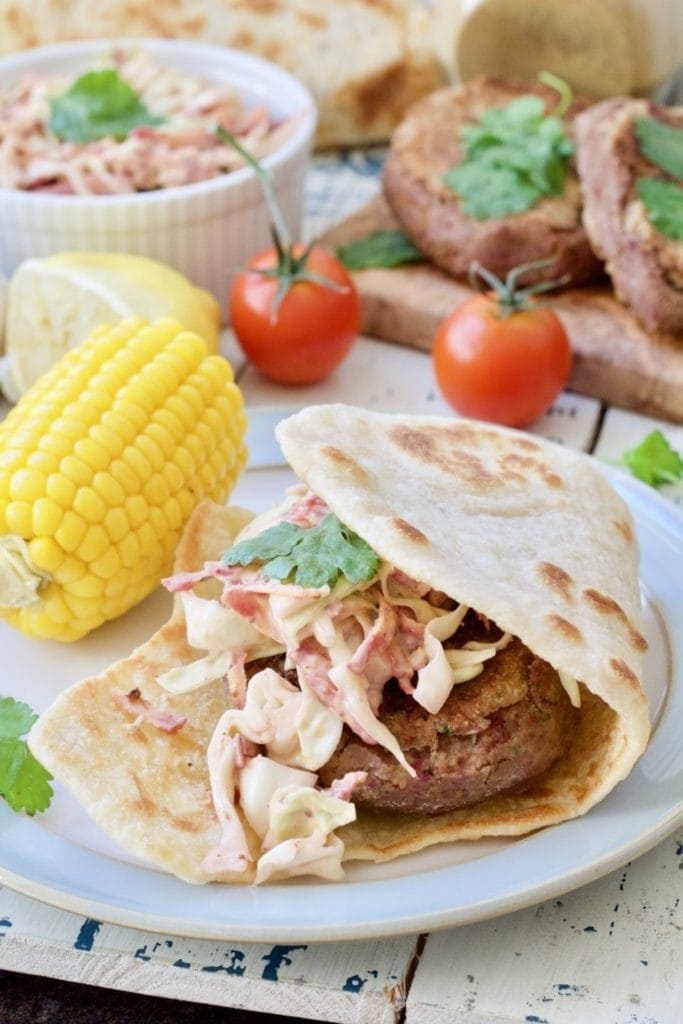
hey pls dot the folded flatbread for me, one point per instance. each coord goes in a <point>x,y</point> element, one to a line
<point>365,61</point>
<point>527,533</point>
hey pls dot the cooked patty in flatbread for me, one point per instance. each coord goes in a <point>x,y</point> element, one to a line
<point>494,733</point>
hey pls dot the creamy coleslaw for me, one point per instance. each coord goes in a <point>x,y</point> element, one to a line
<point>345,642</point>
<point>180,149</point>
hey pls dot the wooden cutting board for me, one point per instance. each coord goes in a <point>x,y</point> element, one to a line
<point>614,359</point>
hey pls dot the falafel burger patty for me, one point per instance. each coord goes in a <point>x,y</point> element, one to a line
<point>425,145</point>
<point>493,734</point>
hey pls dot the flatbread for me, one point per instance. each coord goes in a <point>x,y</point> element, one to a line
<point>526,532</point>
<point>147,789</point>
<point>365,61</point>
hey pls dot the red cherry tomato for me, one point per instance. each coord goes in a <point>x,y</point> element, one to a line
<point>505,367</point>
<point>305,336</point>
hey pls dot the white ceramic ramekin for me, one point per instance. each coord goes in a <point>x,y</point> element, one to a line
<point>207,230</point>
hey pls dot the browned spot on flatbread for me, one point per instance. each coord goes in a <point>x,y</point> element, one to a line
<point>556,578</point>
<point>440,447</point>
<point>621,669</point>
<point>242,40</point>
<point>565,627</point>
<point>514,461</point>
<point>409,531</point>
<point>311,19</point>
<point>258,6</point>
<point>355,469</point>
<point>624,529</point>
<point>140,801</point>
<point>185,824</point>
<point>606,605</point>
<point>526,443</point>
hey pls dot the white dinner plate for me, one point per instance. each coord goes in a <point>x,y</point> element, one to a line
<point>62,858</point>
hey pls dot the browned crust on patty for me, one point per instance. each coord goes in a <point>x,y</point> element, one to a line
<point>425,146</point>
<point>645,266</point>
<point>493,734</point>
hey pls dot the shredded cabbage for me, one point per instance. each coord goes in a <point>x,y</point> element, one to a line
<point>260,778</point>
<point>571,687</point>
<point>345,643</point>
<point>222,632</point>
<point>300,839</point>
<point>295,728</point>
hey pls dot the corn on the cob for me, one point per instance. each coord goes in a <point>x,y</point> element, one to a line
<point>101,464</point>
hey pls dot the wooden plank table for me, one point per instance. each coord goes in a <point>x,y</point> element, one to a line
<point>608,953</point>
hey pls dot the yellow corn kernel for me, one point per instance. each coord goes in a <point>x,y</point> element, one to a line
<point>46,554</point>
<point>187,501</point>
<point>88,586</point>
<point>156,490</point>
<point>136,510</point>
<point>114,587</point>
<point>148,540</point>
<point>173,513</point>
<point>43,461</point>
<point>71,532</point>
<point>103,461</point>
<point>134,458</point>
<point>116,524</point>
<point>183,411</point>
<point>170,422</point>
<point>27,485</point>
<point>129,550</point>
<point>55,607</point>
<point>61,489</point>
<point>69,571</point>
<point>110,490</point>
<point>93,454</point>
<point>88,504</point>
<point>19,518</point>
<point>124,475</point>
<point>47,517</point>
<point>185,463</point>
<point>79,472</point>
<point>82,607</point>
<point>95,543</point>
<point>151,451</point>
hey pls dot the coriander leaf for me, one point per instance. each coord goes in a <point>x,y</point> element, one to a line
<point>490,191</point>
<point>654,461</point>
<point>99,103</point>
<point>513,156</point>
<point>661,143</point>
<point>379,249</point>
<point>16,718</point>
<point>316,555</point>
<point>24,783</point>
<point>664,204</point>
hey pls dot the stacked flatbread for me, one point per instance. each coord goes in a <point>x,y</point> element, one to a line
<point>529,534</point>
<point>364,61</point>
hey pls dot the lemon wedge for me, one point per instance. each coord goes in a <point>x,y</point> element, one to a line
<point>54,302</point>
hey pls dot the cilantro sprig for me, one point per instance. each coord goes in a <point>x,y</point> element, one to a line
<point>663,201</point>
<point>390,248</point>
<point>661,143</point>
<point>308,556</point>
<point>655,461</point>
<point>97,104</point>
<point>24,783</point>
<point>513,156</point>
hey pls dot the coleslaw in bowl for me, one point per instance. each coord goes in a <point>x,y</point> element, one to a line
<point>167,188</point>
